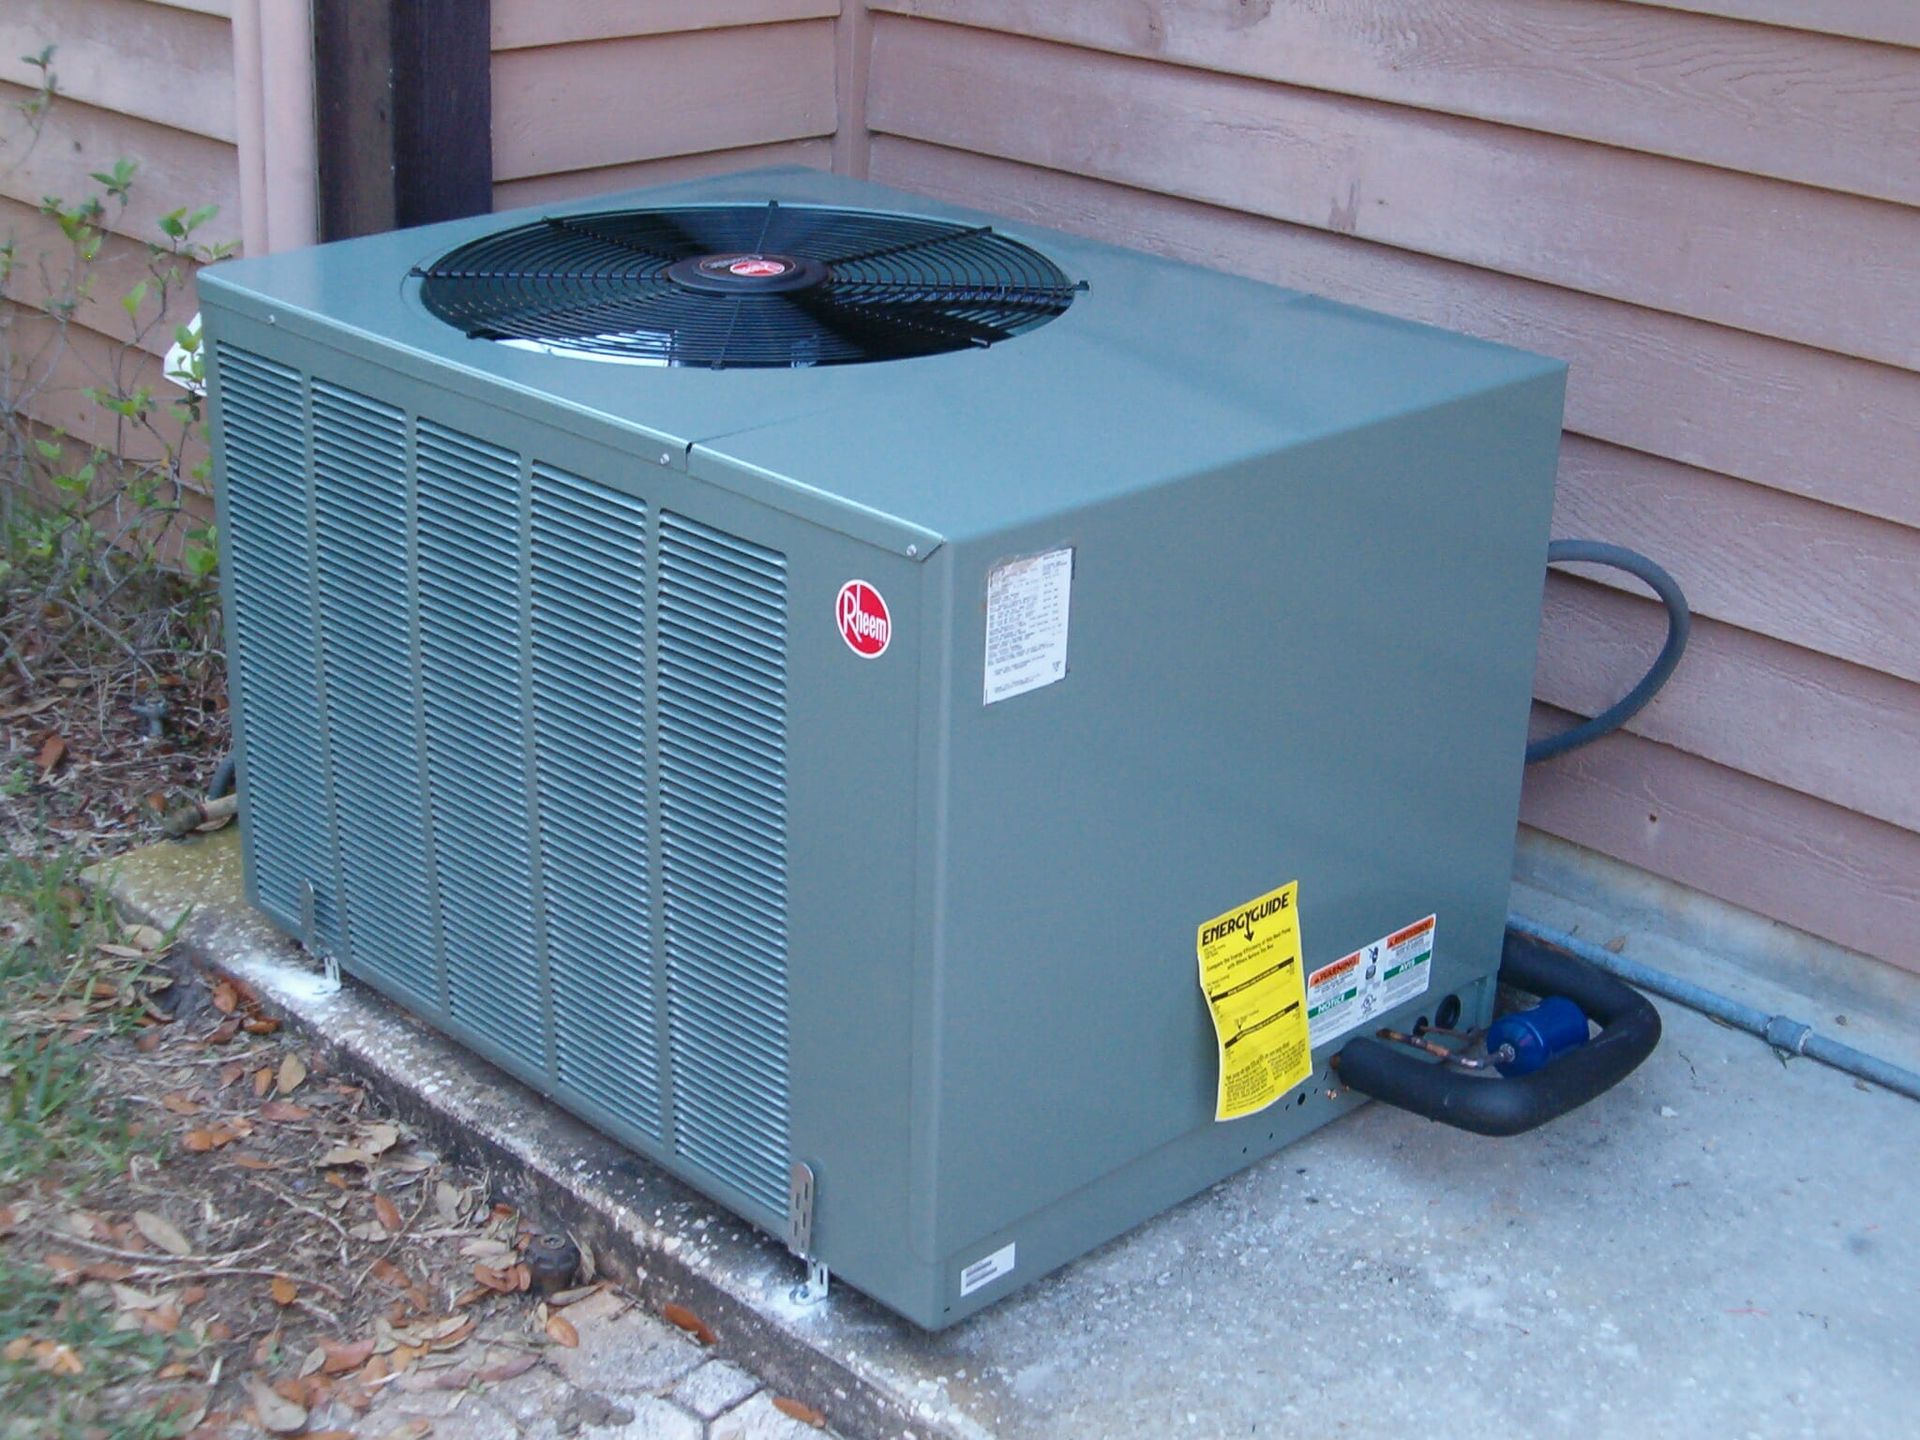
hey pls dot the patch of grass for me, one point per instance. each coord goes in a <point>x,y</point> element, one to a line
<point>55,1127</point>
<point>59,1353</point>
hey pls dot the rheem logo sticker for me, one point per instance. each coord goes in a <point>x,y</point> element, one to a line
<point>864,622</point>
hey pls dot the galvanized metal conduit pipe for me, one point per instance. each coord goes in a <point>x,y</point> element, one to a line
<point>1782,1033</point>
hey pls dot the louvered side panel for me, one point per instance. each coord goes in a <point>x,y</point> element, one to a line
<point>469,569</point>
<point>722,604</point>
<point>360,514</point>
<point>589,603</point>
<point>271,645</point>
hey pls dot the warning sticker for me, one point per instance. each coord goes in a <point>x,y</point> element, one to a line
<point>1027,604</point>
<point>1250,973</point>
<point>1370,981</point>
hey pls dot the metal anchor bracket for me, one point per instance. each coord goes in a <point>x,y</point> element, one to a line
<point>800,1193</point>
<point>813,1289</point>
<point>310,937</point>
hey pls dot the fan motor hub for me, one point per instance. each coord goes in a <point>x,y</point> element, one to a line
<point>748,273</point>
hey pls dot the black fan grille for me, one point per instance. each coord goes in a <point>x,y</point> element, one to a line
<point>746,286</point>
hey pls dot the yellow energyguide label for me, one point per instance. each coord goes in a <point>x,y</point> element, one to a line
<point>1250,972</point>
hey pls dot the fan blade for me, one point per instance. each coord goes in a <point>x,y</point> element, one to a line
<point>521,307</point>
<point>1053,298</point>
<point>920,327</point>
<point>900,248</point>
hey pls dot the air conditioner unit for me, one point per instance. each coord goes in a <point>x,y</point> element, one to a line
<point>811,679</point>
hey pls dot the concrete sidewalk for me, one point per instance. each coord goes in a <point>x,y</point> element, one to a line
<point>1727,1244</point>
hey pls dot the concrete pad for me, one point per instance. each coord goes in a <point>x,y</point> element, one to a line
<point>714,1387</point>
<point>1725,1245</point>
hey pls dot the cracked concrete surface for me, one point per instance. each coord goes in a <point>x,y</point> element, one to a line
<point>1726,1244</point>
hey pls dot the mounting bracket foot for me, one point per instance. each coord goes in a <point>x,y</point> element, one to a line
<point>814,1289</point>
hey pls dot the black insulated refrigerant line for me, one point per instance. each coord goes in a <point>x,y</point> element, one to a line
<point>1788,1036</point>
<point>1679,625</point>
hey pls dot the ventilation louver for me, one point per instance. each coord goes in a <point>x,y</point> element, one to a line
<point>728,287</point>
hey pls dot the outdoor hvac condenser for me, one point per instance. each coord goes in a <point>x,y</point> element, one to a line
<point>903,718</point>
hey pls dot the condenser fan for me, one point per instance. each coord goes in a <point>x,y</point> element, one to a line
<point>740,286</point>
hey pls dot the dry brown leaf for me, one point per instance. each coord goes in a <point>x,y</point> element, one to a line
<point>221,1034</point>
<point>412,1430</point>
<point>9,1220</point>
<point>388,1212</point>
<point>201,1141</point>
<point>573,1296</point>
<point>340,1358</point>
<point>50,755</point>
<point>57,1359</point>
<point>163,1320</point>
<point>147,937</point>
<point>162,1232</point>
<point>262,1081</point>
<point>284,1112</point>
<point>560,1330</point>
<point>507,1369</point>
<point>260,1024</point>
<point>231,1072</point>
<point>293,1070</point>
<point>32,707</point>
<point>385,1270</point>
<point>17,1349</point>
<point>225,997</point>
<point>794,1410</point>
<point>454,1337</point>
<point>378,1139</point>
<point>681,1316</point>
<point>181,1103</point>
<point>284,1291</point>
<point>344,1155</point>
<point>274,1411</point>
<point>254,1162</point>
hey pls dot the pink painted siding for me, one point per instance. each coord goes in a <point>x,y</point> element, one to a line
<point>591,96</point>
<point>1708,207</point>
<point>151,81</point>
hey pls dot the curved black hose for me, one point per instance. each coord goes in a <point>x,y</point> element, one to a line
<point>222,780</point>
<point>1679,624</point>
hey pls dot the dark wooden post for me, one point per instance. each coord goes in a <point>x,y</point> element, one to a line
<point>404,93</point>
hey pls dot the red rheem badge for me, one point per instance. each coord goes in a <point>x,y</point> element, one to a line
<point>863,619</point>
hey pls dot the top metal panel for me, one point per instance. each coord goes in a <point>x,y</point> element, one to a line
<point>1159,370</point>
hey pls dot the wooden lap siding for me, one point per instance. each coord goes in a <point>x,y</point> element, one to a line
<point>591,96</point>
<point>150,81</point>
<point>1709,208</point>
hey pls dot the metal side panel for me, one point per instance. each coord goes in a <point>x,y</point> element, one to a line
<point>271,640</point>
<point>588,627</point>
<point>361,492</point>
<point>722,784</point>
<point>468,561</point>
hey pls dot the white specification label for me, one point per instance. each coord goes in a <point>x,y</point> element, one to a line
<point>987,1269</point>
<point>1369,982</point>
<point>1027,604</point>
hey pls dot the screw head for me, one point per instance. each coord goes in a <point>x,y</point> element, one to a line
<point>912,550</point>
